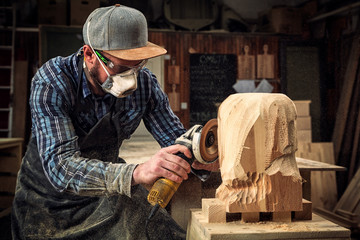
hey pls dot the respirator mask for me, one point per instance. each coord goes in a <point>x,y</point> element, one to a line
<point>121,84</point>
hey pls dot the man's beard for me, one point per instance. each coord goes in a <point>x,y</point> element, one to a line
<point>94,74</point>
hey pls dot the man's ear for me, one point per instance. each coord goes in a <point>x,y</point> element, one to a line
<point>89,56</point>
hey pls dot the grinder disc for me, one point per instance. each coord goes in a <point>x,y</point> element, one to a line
<point>208,141</point>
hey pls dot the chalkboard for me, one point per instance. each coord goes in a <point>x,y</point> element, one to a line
<point>211,79</point>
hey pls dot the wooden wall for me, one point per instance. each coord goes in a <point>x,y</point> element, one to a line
<point>180,45</point>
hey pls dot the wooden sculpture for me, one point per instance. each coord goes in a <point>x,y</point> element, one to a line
<point>257,144</point>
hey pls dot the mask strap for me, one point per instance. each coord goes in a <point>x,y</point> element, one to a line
<point>87,33</point>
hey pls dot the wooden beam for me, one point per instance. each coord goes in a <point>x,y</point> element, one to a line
<point>345,97</point>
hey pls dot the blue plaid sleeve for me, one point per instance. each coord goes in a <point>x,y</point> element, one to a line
<point>50,103</point>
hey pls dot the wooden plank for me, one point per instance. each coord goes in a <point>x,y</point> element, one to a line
<point>318,228</point>
<point>322,153</point>
<point>345,96</point>
<point>336,218</point>
<point>354,153</point>
<point>20,99</point>
<point>307,164</point>
<point>10,142</point>
<point>351,197</point>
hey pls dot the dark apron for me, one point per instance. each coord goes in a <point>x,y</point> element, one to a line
<point>41,212</point>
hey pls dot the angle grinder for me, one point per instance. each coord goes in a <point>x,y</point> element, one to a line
<point>202,142</point>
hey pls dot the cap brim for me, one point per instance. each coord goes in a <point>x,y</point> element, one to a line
<point>151,50</point>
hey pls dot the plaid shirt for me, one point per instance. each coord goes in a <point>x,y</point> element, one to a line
<point>53,95</point>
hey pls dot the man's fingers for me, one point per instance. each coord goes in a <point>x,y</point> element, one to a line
<point>178,148</point>
<point>176,169</point>
<point>178,161</point>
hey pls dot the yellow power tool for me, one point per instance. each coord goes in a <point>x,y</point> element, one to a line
<point>202,142</point>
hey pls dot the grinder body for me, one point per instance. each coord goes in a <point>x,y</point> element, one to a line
<point>201,141</point>
<point>163,189</point>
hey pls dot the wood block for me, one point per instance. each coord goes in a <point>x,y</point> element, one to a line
<point>257,144</point>
<point>302,108</point>
<point>303,123</point>
<point>250,217</point>
<point>304,135</point>
<point>214,210</point>
<point>306,213</point>
<point>281,216</point>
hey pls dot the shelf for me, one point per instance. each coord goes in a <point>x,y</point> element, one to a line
<point>5,87</point>
<point>5,67</point>
<point>6,47</point>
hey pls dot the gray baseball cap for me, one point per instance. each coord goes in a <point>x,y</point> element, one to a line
<point>120,31</point>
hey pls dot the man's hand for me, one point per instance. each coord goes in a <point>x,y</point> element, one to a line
<point>163,164</point>
<point>210,167</point>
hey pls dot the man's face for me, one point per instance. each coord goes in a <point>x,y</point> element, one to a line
<point>119,66</point>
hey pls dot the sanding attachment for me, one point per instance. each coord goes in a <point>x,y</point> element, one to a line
<point>208,141</point>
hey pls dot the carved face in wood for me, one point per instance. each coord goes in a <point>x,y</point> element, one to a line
<point>257,140</point>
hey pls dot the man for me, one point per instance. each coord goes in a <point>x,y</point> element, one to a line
<point>72,185</point>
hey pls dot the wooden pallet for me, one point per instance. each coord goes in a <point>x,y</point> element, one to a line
<point>213,223</point>
<point>214,211</point>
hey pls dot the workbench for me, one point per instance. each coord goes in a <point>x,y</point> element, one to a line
<point>191,192</point>
<point>317,228</point>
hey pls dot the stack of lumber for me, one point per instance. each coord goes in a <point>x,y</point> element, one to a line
<point>303,121</point>
<point>323,183</point>
<point>321,196</point>
<point>347,211</point>
<point>346,131</point>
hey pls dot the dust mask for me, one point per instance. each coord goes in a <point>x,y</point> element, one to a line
<point>122,84</point>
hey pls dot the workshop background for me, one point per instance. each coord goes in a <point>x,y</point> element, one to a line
<point>308,50</point>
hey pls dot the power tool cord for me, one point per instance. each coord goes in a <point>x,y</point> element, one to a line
<point>152,213</point>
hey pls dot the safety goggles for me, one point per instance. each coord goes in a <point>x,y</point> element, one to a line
<point>120,69</point>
